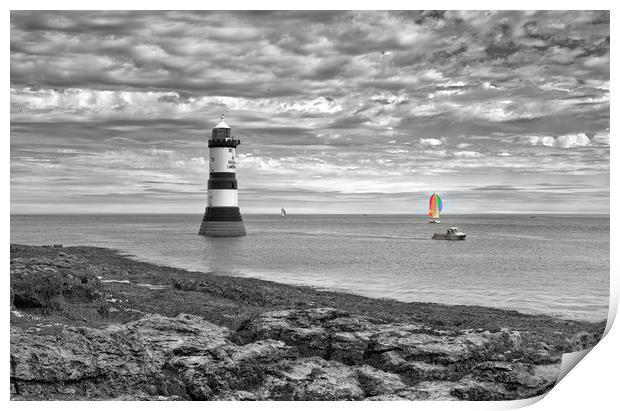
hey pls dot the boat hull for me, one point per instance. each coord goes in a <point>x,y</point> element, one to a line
<point>449,237</point>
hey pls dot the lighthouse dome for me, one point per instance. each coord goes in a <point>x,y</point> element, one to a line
<point>222,124</point>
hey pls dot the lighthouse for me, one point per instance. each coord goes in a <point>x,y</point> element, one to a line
<point>222,217</point>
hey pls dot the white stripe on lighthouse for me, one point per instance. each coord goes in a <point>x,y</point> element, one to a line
<point>222,198</point>
<point>222,160</point>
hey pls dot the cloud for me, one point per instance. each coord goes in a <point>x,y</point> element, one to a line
<point>601,137</point>
<point>573,140</point>
<point>318,105</point>
<point>468,154</point>
<point>565,141</point>
<point>546,141</point>
<point>112,101</point>
<point>431,142</point>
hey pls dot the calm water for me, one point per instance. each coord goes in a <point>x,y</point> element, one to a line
<point>557,265</point>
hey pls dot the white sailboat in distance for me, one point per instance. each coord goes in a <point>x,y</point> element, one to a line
<point>282,212</point>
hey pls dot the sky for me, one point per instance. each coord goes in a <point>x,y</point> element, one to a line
<point>337,112</point>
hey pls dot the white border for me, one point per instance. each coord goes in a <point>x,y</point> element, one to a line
<point>591,386</point>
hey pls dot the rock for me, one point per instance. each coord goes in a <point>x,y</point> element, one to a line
<point>179,358</point>
<point>507,373</point>
<point>324,332</point>
<point>312,379</point>
<point>281,355</point>
<point>228,368</point>
<point>236,396</point>
<point>118,360</point>
<point>44,288</point>
<point>185,285</point>
<point>471,390</point>
<point>581,341</point>
<point>411,352</point>
<point>376,382</point>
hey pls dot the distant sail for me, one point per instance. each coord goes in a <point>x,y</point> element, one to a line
<point>282,212</point>
<point>435,205</point>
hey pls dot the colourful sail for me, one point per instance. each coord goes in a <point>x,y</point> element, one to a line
<point>435,205</point>
<point>431,202</point>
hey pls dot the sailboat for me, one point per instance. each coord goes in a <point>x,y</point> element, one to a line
<point>282,212</point>
<point>434,207</point>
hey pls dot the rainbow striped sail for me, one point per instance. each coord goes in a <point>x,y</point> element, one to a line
<point>435,205</point>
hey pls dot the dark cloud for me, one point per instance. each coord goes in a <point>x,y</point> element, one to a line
<point>501,50</point>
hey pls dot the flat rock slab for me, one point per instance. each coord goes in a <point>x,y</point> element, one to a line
<point>312,354</point>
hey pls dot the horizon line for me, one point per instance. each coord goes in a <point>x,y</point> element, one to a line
<point>369,213</point>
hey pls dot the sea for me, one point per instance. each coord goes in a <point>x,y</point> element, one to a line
<point>551,264</point>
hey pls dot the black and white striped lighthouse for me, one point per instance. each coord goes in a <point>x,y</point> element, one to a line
<point>222,217</point>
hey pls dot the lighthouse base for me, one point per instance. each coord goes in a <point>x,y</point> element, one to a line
<point>222,222</point>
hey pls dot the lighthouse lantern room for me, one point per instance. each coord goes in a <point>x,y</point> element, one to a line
<point>222,217</point>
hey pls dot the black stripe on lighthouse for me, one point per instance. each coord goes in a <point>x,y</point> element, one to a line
<point>228,176</point>
<point>222,214</point>
<point>223,143</point>
<point>221,184</point>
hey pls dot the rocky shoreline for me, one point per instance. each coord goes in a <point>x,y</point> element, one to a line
<point>90,324</point>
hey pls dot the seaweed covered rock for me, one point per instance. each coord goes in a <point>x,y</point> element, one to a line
<point>46,284</point>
